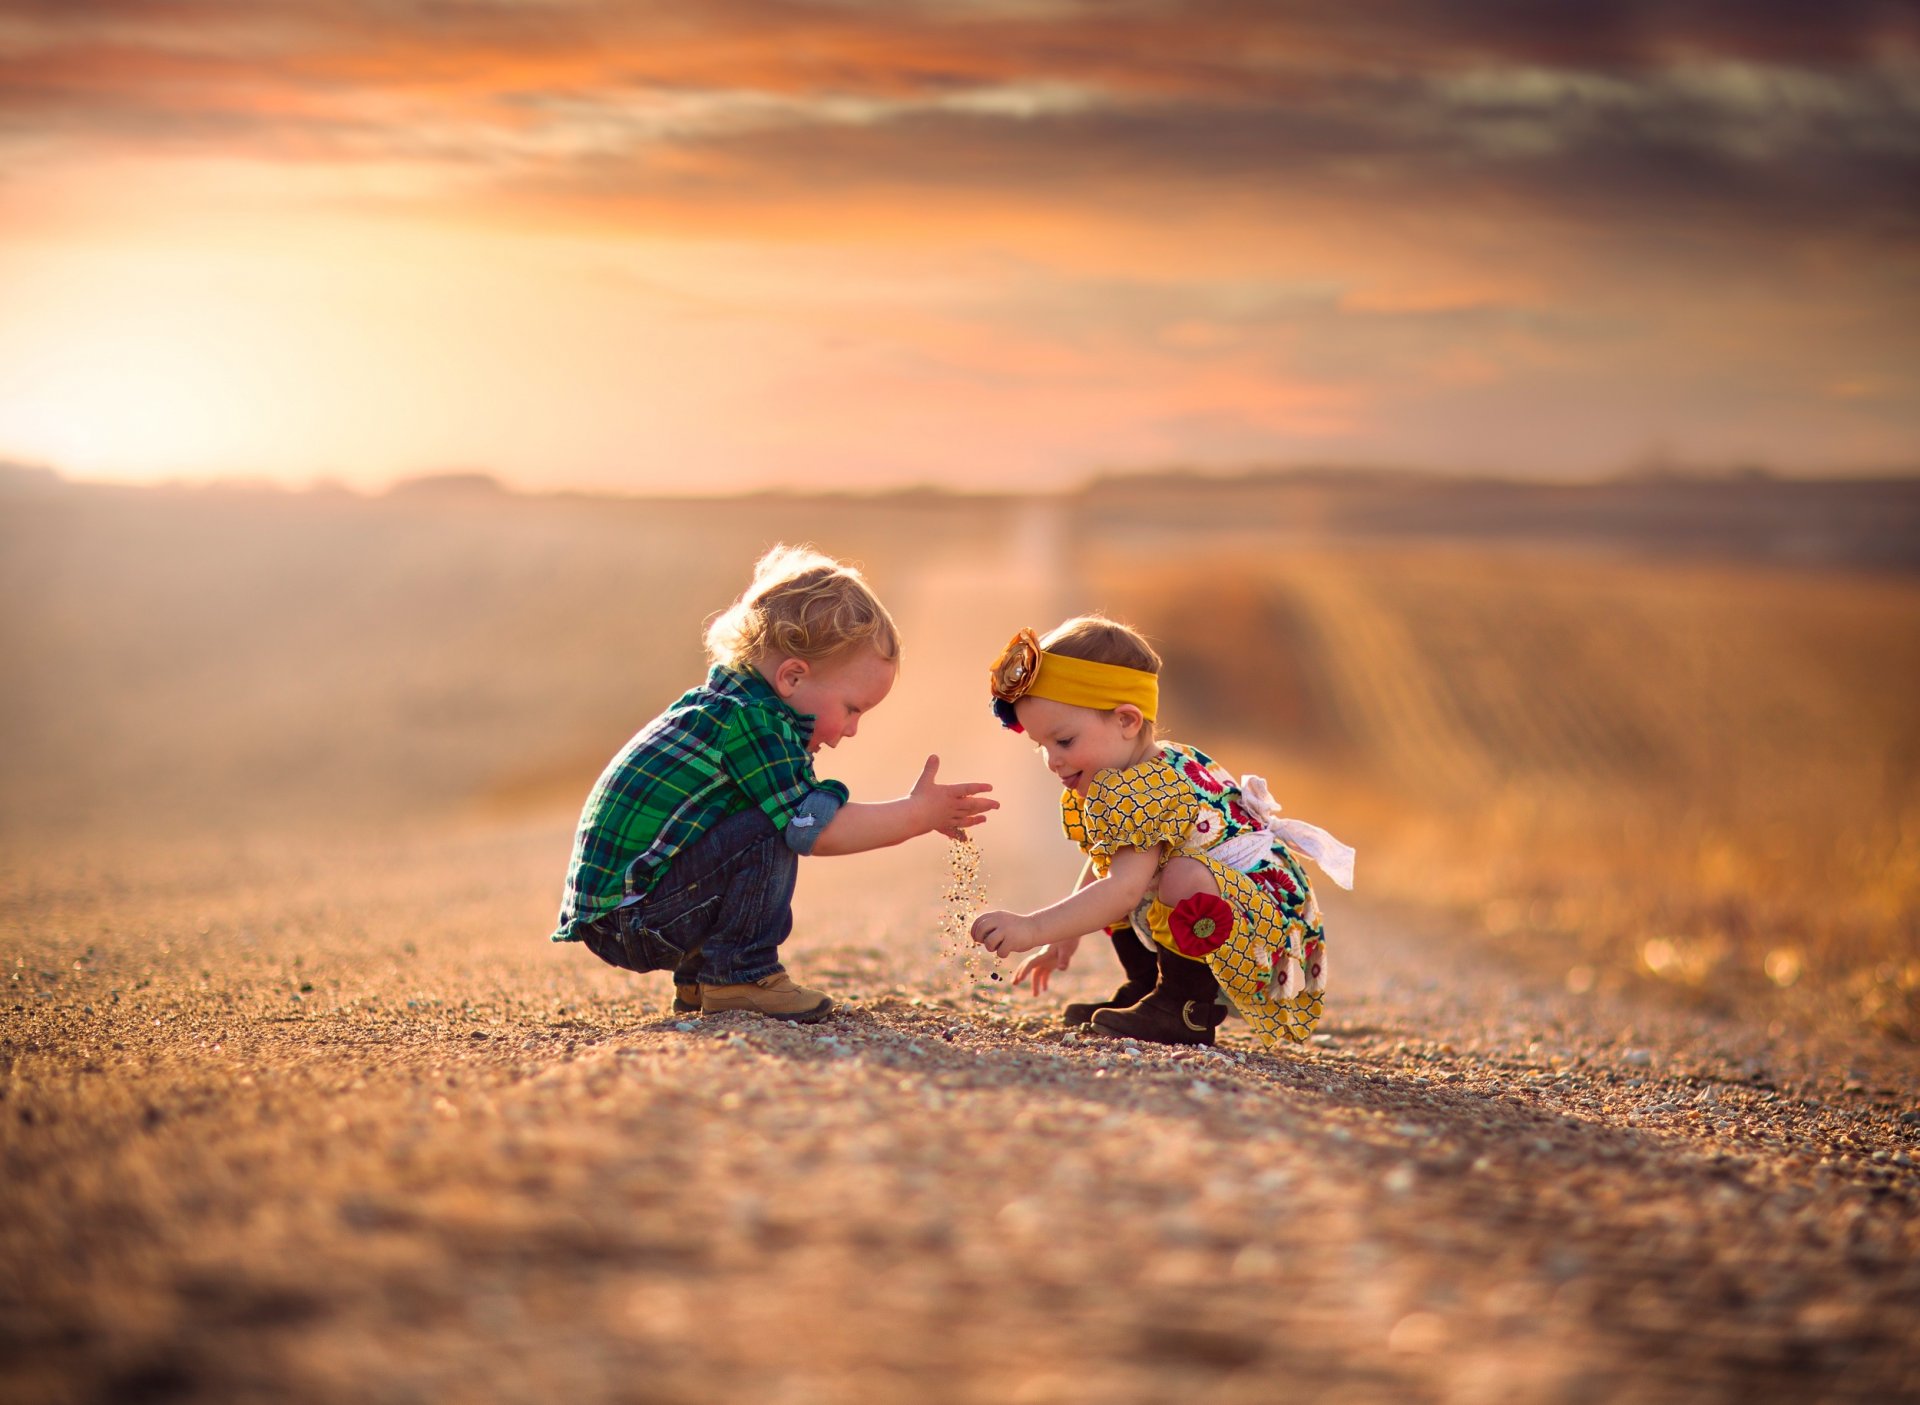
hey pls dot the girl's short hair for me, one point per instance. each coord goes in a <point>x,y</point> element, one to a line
<point>804,605</point>
<point>1098,639</point>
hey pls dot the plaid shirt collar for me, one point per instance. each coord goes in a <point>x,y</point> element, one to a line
<point>748,685</point>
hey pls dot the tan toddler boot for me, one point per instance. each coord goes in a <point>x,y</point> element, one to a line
<point>775,996</point>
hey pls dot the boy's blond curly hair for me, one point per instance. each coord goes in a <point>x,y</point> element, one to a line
<point>804,605</point>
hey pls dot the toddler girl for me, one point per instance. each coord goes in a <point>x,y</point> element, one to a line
<point>1193,874</point>
<point>690,842</point>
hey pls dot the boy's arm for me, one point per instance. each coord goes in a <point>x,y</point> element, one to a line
<point>950,809</point>
<point>862,825</point>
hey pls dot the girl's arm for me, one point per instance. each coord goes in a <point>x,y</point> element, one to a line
<point>1055,955</point>
<point>950,809</point>
<point>1099,903</point>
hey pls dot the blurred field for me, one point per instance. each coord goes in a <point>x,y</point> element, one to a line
<point>1648,731</point>
<point>1703,774</point>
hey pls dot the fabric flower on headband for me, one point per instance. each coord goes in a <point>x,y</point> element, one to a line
<point>1013,674</point>
<point>1017,668</point>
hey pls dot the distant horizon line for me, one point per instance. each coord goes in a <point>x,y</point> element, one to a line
<point>449,483</point>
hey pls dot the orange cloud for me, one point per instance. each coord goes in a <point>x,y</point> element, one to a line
<point>1055,234</point>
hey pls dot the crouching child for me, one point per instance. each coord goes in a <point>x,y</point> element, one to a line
<point>689,846</point>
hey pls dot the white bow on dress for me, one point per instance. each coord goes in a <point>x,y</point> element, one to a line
<point>1335,859</point>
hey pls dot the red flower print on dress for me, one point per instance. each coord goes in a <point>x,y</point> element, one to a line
<point>1276,882</point>
<point>1203,778</point>
<point>1200,925</point>
<point>1242,815</point>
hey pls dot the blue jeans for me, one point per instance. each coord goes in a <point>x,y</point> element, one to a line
<point>717,915</point>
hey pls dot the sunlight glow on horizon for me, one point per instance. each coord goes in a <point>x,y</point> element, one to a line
<point>986,249</point>
<point>249,353</point>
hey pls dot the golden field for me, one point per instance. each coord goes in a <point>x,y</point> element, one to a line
<point>1701,773</point>
<point>1661,730</point>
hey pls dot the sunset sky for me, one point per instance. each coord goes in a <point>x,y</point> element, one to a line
<point>730,243</point>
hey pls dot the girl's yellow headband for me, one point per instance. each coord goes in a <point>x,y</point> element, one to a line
<point>1026,670</point>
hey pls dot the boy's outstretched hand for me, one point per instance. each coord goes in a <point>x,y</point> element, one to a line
<point>930,808</point>
<point>951,809</point>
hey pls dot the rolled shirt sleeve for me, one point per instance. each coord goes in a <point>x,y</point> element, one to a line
<point>767,759</point>
<point>815,813</point>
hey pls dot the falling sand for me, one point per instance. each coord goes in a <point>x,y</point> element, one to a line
<point>965,899</point>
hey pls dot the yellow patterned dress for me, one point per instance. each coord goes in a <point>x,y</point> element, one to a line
<point>1272,966</point>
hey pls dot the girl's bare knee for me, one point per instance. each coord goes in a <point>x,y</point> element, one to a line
<point>1182,878</point>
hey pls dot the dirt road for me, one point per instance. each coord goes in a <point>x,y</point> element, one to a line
<point>313,1122</point>
<point>313,1112</point>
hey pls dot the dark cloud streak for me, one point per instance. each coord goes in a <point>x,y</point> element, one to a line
<point>1767,118</point>
<point>1670,161</point>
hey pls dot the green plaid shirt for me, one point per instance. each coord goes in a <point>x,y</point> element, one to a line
<point>728,744</point>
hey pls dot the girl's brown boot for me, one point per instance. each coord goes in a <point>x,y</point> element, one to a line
<point>1184,1008</point>
<point>1142,972</point>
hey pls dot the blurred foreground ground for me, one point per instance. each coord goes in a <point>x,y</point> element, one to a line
<point>1616,1098</point>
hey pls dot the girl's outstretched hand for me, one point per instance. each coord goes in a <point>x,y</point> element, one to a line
<point>1039,967</point>
<point>1004,933</point>
<point>951,809</point>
